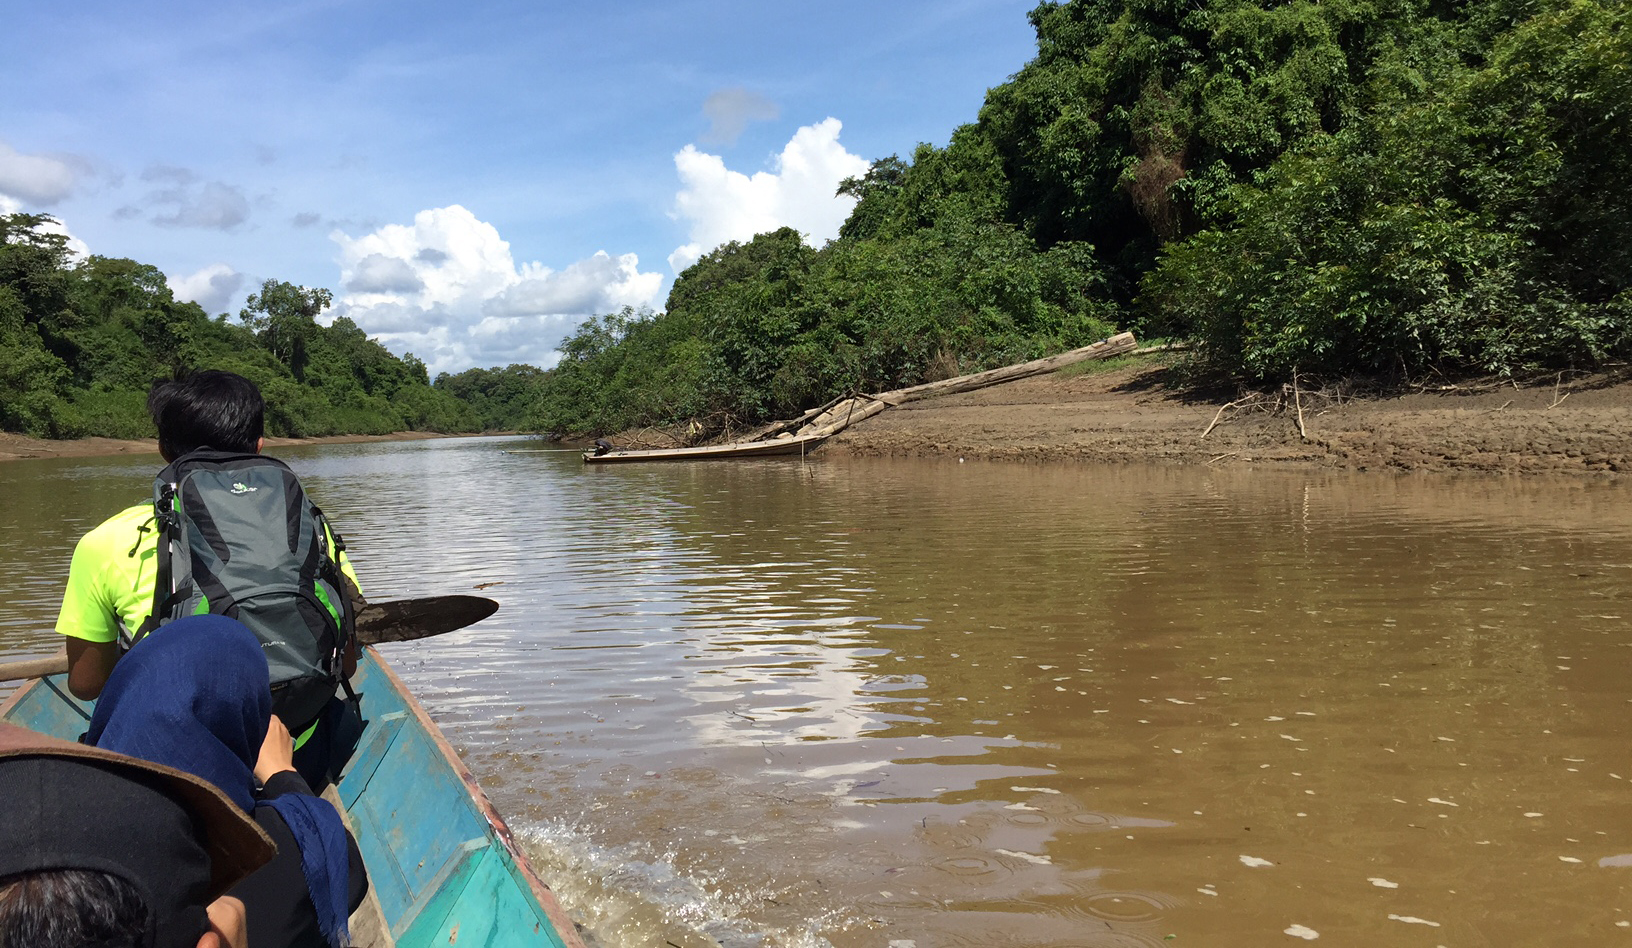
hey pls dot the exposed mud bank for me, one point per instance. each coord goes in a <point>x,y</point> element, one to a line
<point>1583,427</point>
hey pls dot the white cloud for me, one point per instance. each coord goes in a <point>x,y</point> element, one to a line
<point>213,287</point>
<point>184,201</point>
<point>35,179</point>
<point>723,205</point>
<point>596,284</point>
<point>378,273</point>
<point>730,110</point>
<point>447,289</point>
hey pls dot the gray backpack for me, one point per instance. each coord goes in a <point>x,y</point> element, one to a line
<point>239,538</point>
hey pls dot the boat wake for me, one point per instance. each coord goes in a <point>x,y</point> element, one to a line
<point>621,899</point>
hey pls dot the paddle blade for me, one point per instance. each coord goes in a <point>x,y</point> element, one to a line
<point>403,620</point>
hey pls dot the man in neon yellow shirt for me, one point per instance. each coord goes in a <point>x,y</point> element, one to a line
<point>112,579</point>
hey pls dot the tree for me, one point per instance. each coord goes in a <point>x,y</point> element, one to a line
<point>284,317</point>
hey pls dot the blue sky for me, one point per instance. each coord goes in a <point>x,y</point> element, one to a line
<point>471,180</point>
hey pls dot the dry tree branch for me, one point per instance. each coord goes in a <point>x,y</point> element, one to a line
<point>1221,409</point>
<point>1557,398</point>
<point>1297,399</point>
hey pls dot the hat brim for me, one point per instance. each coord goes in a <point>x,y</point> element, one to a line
<point>235,844</point>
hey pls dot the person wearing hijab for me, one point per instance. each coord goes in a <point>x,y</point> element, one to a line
<point>195,696</point>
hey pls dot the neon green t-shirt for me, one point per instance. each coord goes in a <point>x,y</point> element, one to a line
<point>112,577</point>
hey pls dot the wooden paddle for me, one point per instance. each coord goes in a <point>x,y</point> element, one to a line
<point>403,620</point>
<point>397,620</point>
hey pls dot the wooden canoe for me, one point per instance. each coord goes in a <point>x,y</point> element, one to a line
<point>443,868</point>
<point>740,449</point>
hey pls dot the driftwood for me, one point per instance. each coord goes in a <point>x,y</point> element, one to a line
<point>1105,348</point>
<point>1297,399</point>
<point>1238,403</point>
<point>855,409</point>
<point>841,413</point>
<point>776,428</point>
<point>848,411</point>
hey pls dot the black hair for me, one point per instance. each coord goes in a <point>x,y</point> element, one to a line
<point>208,409</point>
<point>70,908</point>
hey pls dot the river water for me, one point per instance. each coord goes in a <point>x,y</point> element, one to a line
<point>913,704</point>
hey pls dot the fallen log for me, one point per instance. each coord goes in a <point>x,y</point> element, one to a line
<point>1104,349</point>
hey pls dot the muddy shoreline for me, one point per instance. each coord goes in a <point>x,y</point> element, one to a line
<point>1580,427</point>
<point>14,447</point>
<point>1576,427</point>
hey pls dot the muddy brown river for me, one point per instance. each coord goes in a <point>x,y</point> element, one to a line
<point>892,704</point>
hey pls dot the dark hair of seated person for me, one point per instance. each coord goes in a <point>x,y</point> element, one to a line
<point>70,908</point>
<point>207,409</point>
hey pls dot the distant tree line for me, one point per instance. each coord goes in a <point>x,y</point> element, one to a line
<point>80,343</point>
<point>1386,188</point>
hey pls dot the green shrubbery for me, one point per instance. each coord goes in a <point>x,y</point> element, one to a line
<point>767,328</point>
<point>1481,225</point>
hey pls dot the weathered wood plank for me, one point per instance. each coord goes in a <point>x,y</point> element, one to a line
<point>367,924</point>
<point>1104,349</point>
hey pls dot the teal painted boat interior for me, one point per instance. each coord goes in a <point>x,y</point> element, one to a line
<point>436,862</point>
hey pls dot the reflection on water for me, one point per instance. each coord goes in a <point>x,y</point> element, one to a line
<point>856,703</point>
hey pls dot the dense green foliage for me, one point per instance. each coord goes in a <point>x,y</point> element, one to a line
<point>1382,187</point>
<point>501,399</point>
<point>81,342</point>
<point>926,282</point>
<point>1480,222</point>
<point>1331,187</point>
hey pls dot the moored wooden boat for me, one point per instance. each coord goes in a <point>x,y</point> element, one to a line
<point>442,865</point>
<point>741,449</point>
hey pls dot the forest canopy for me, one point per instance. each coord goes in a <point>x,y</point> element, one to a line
<point>1378,188</point>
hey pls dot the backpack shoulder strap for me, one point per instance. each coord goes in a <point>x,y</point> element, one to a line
<point>166,522</point>
<point>333,545</point>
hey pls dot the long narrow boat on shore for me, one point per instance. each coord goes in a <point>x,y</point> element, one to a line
<point>443,867</point>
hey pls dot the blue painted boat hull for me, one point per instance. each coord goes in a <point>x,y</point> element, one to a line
<point>441,861</point>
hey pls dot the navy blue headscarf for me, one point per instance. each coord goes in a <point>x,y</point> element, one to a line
<point>195,695</point>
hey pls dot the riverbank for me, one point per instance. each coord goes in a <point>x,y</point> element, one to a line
<point>1557,425</point>
<point>16,447</point>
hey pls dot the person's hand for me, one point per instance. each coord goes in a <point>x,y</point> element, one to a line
<point>277,752</point>
<point>228,928</point>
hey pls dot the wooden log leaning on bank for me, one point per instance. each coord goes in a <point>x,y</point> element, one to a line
<point>851,410</point>
<point>1104,349</point>
<point>810,429</point>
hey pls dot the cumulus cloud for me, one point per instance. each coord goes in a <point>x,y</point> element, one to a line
<point>595,284</point>
<point>182,199</point>
<point>213,287</point>
<point>377,273</point>
<point>723,205</point>
<point>447,288</point>
<point>730,110</point>
<point>36,179</point>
